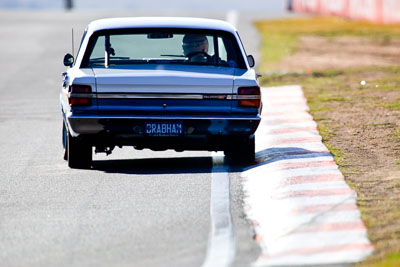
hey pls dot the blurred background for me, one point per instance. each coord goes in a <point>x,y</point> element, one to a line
<point>348,67</point>
<point>81,12</point>
<point>269,6</point>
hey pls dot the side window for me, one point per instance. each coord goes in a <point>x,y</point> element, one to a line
<point>222,50</point>
<point>98,50</point>
<point>227,52</point>
<point>211,50</point>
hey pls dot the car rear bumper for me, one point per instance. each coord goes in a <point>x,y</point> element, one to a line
<point>199,132</point>
<point>193,125</point>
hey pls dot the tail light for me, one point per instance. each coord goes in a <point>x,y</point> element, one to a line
<point>249,96</point>
<point>80,95</point>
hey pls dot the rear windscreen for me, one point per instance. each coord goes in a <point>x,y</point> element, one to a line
<point>163,47</point>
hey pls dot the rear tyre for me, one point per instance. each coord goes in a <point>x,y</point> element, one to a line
<point>241,149</point>
<point>79,154</point>
<point>64,142</point>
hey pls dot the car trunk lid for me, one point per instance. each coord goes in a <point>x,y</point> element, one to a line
<point>164,89</point>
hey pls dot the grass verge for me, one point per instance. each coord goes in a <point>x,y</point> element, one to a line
<point>280,37</point>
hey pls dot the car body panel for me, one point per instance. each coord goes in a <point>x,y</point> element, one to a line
<point>164,89</point>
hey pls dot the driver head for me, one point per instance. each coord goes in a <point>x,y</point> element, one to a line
<point>193,43</point>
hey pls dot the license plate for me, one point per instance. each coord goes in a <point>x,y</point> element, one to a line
<point>164,128</point>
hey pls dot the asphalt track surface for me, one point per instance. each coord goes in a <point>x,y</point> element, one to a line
<point>134,208</point>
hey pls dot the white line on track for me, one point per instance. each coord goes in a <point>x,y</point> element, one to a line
<point>221,244</point>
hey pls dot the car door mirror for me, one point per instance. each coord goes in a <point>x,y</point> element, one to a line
<point>251,61</point>
<point>68,60</point>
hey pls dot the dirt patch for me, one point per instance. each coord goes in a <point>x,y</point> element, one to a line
<point>320,53</point>
<point>365,132</point>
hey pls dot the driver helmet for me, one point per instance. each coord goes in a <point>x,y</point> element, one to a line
<point>194,43</point>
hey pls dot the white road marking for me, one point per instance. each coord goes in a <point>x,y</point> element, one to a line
<point>221,244</point>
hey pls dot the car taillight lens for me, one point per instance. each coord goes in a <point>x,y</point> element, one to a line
<point>80,95</point>
<point>249,96</point>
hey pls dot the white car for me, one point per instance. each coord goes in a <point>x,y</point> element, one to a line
<point>159,83</point>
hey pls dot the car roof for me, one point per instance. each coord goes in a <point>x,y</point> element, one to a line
<point>159,22</point>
